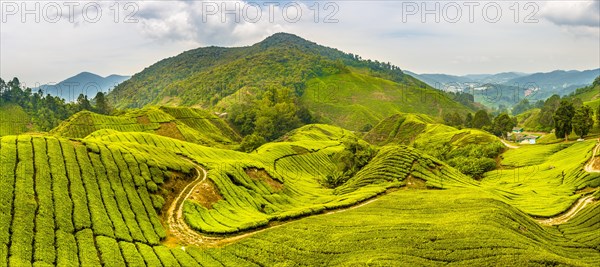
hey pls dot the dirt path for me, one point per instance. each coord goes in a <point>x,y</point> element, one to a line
<point>178,228</point>
<point>181,234</point>
<point>580,204</point>
<point>590,166</point>
<point>565,217</point>
<point>508,144</point>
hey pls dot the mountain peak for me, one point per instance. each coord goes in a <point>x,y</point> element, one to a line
<point>284,38</point>
<point>87,73</point>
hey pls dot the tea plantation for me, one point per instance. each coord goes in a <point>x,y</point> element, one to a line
<point>103,200</point>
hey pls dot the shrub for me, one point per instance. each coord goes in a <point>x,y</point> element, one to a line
<point>472,166</point>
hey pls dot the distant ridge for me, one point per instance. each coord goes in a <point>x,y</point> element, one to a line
<point>509,88</point>
<point>559,81</point>
<point>86,83</point>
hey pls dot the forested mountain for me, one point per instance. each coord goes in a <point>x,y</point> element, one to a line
<point>282,76</point>
<point>86,83</point>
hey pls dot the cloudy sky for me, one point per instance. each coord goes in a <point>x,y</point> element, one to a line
<point>45,42</point>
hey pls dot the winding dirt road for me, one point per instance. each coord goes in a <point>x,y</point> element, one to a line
<point>565,217</point>
<point>590,166</point>
<point>182,234</point>
<point>580,204</point>
<point>508,144</point>
<point>178,228</point>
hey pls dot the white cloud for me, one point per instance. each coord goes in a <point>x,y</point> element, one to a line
<point>48,52</point>
<point>211,22</point>
<point>572,13</point>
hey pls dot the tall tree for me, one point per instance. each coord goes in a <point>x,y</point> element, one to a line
<point>503,124</point>
<point>83,102</point>
<point>453,119</point>
<point>547,113</point>
<point>481,119</point>
<point>469,120</point>
<point>563,119</point>
<point>583,121</point>
<point>521,107</point>
<point>598,114</point>
<point>101,104</point>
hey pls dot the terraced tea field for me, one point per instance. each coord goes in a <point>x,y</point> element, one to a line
<point>187,124</point>
<point>13,120</point>
<point>142,199</point>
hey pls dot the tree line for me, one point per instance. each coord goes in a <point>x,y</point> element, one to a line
<point>565,116</point>
<point>48,111</point>
<point>499,125</point>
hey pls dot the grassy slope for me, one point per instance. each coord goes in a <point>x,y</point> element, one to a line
<point>188,124</point>
<point>529,119</point>
<point>591,95</point>
<point>542,180</point>
<point>422,132</point>
<point>417,228</point>
<point>400,128</point>
<point>13,120</point>
<point>352,100</point>
<point>468,223</point>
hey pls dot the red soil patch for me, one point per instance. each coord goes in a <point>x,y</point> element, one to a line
<point>206,194</point>
<point>172,186</point>
<point>143,120</point>
<point>169,129</point>
<point>263,175</point>
<point>596,163</point>
<point>415,183</point>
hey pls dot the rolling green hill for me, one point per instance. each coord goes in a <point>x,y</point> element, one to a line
<point>400,128</point>
<point>472,151</point>
<point>314,76</point>
<point>529,120</point>
<point>423,132</point>
<point>14,120</point>
<point>113,199</point>
<point>591,96</point>
<point>355,99</point>
<point>188,124</point>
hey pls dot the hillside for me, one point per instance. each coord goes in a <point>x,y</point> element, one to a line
<point>411,129</point>
<point>114,198</point>
<point>85,83</point>
<point>590,94</point>
<point>14,120</point>
<point>354,100</point>
<point>473,152</point>
<point>309,74</point>
<point>187,124</point>
<point>529,120</point>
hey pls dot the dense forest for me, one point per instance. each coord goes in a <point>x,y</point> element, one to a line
<point>47,111</point>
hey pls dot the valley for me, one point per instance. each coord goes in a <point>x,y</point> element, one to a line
<point>290,153</point>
